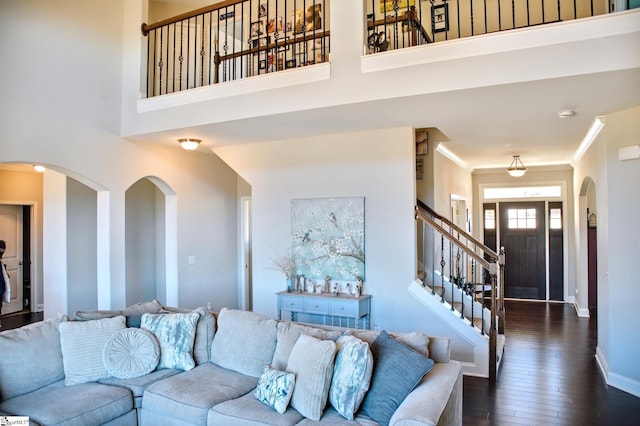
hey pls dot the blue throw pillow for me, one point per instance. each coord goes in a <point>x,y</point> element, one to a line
<point>275,388</point>
<point>176,334</point>
<point>351,375</point>
<point>397,370</point>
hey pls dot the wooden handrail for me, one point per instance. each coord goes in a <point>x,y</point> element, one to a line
<point>148,27</point>
<point>491,253</point>
<point>271,46</point>
<point>409,16</point>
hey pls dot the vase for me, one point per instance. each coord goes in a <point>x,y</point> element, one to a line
<point>289,285</point>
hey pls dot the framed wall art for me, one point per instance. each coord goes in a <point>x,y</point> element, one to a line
<point>327,238</point>
<point>440,18</point>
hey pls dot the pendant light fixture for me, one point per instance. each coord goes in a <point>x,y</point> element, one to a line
<point>516,169</point>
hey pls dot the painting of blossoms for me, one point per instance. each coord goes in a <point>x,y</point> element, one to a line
<point>327,237</point>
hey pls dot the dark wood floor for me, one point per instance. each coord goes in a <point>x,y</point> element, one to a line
<point>549,375</point>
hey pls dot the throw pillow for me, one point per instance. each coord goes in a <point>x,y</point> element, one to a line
<point>205,330</point>
<point>398,369</point>
<point>130,353</point>
<point>152,307</point>
<point>351,375</point>
<point>275,388</point>
<point>176,334</point>
<point>288,333</point>
<point>311,360</point>
<point>244,342</point>
<point>82,343</point>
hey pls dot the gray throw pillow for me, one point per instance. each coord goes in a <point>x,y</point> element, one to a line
<point>311,360</point>
<point>130,353</point>
<point>397,370</point>
<point>82,343</point>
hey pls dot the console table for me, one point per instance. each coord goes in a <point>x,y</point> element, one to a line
<point>328,306</point>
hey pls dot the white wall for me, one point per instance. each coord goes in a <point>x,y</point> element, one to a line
<point>67,117</point>
<point>617,204</point>
<point>377,165</point>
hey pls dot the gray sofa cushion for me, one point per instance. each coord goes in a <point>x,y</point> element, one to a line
<point>80,405</point>
<point>137,385</point>
<point>247,410</point>
<point>188,396</point>
<point>288,333</point>
<point>245,341</point>
<point>331,417</point>
<point>40,340</point>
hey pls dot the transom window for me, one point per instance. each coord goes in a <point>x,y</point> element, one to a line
<point>521,218</point>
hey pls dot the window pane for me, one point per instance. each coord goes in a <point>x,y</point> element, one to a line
<point>555,219</point>
<point>490,219</point>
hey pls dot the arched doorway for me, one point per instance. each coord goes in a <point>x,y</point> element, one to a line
<point>589,225</point>
<point>150,242</point>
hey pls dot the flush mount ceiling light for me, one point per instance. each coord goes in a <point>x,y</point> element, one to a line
<point>516,169</point>
<point>38,168</point>
<point>565,113</point>
<point>189,143</point>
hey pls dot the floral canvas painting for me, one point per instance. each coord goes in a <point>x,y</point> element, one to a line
<point>327,238</point>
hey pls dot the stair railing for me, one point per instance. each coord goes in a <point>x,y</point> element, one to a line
<point>234,39</point>
<point>467,272</point>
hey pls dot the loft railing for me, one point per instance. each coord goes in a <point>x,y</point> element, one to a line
<point>464,272</point>
<point>396,24</point>
<point>234,39</point>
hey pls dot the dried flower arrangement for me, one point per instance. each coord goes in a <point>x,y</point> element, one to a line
<point>283,264</point>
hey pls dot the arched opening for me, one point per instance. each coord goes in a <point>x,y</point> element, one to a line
<point>150,242</point>
<point>587,295</point>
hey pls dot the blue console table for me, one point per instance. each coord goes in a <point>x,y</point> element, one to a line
<point>331,308</point>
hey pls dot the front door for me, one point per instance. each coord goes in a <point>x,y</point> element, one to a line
<point>522,234</point>
<point>11,232</point>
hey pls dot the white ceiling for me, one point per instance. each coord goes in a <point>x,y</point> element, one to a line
<point>482,126</point>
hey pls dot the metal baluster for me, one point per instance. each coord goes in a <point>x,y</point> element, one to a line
<point>458,258</point>
<point>181,57</point>
<point>442,265</point>
<point>472,289</point>
<point>160,64</point>
<point>202,53</point>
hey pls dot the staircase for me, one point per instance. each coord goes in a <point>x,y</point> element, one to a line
<point>461,281</point>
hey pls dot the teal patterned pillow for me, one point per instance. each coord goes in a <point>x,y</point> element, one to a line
<point>275,388</point>
<point>351,375</point>
<point>176,334</point>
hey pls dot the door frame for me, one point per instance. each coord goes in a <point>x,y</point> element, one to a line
<point>566,211</point>
<point>35,304</point>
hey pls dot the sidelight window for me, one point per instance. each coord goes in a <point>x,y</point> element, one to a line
<point>555,218</point>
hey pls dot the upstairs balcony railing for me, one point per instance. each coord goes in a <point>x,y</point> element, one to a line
<point>395,24</point>
<point>234,39</point>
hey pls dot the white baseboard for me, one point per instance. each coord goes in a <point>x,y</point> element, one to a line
<point>616,380</point>
<point>571,299</point>
<point>582,312</point>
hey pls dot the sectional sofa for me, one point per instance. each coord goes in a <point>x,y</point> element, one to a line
<point>153,365</point>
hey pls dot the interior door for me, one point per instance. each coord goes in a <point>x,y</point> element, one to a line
<point>11,232</point>
<point>522,234</point>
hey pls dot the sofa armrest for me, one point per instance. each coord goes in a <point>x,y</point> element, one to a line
<point>437,400</point>
<point>439,349</point>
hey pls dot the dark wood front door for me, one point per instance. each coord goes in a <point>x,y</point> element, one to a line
<point>522,234</point>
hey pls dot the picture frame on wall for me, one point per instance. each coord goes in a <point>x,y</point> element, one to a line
<point>440,18</point>
<point>261,42</point>
<point>257,29</point>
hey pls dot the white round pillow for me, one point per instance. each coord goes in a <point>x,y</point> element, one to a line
<point>132,352</point>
